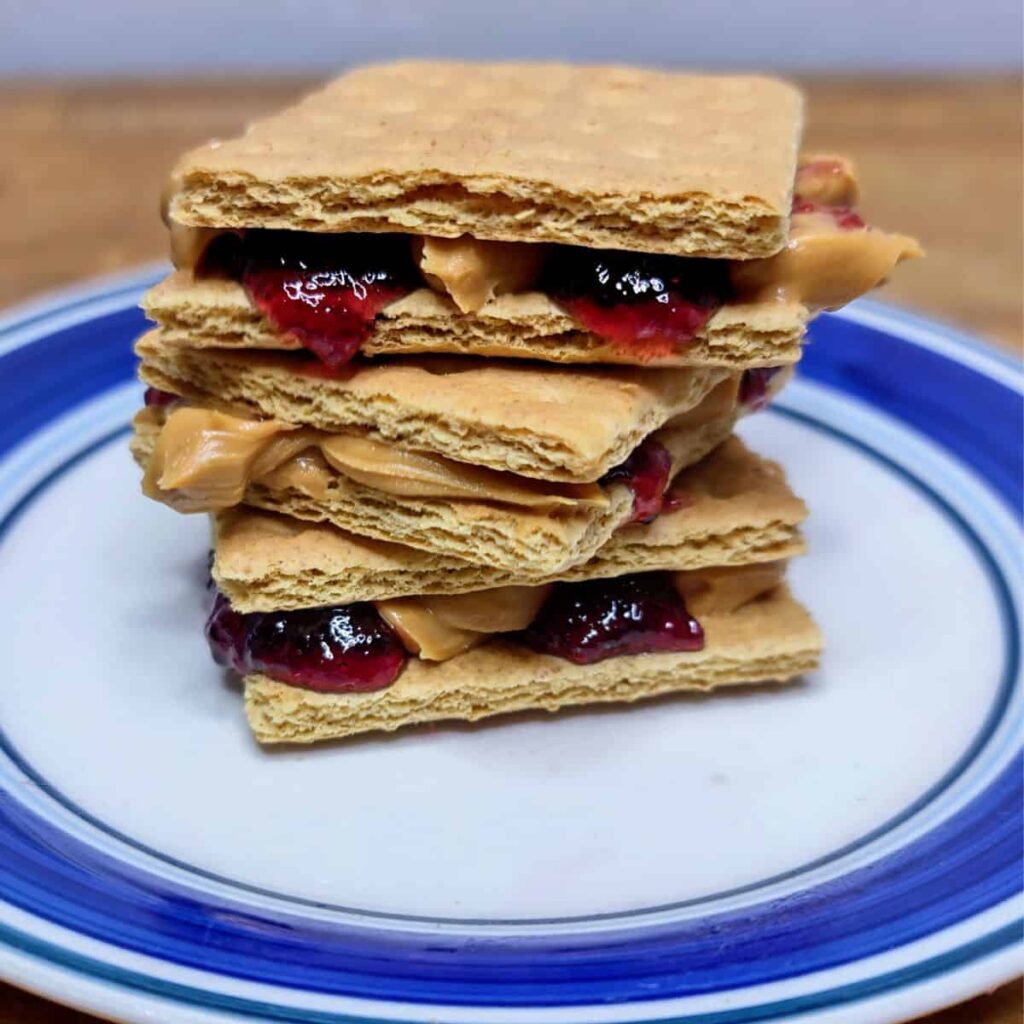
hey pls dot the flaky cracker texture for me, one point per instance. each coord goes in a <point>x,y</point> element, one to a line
<point>737,510</point>
<point>609,157</point>
<point>549,422</point>
<point>771,639</point>
<point>216,313</point>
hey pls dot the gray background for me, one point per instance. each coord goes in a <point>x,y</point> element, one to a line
<point>166,37</point>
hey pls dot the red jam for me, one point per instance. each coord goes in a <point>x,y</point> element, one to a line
<point>755,386</point>
<point>589,621</point>
<point>157,399</point>
<point>646,474</point>
<point>844,216</point>
<point>645,305</point>
<point>323,290</point>
<point>347,649</point>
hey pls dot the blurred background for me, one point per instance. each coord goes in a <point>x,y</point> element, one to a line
<point>97,97</point>
<point>102,37</point>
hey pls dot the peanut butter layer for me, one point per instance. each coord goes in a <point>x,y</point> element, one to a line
<point>473,272</point>
<point>733,509</point>
<point>824,266</point>
<point>204,460</point>
<point>529,541</point>
<point>770,639</point>
<point>441,627</point>
<point>438,628</point>
<point>609,157</point>
<point>548,422</point>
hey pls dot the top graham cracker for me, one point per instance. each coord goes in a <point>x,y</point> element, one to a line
<point>607,157</point>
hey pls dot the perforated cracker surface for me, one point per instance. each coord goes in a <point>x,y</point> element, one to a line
<point>600,156</point>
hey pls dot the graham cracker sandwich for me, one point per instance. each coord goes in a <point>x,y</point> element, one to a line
<point>731,508</point>
<point>200,458</point>
<point>769,638</point>
<point>336,635</point>
<point>542,211</point>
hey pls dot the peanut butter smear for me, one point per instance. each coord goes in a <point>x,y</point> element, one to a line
<point>472,271</point>
<point>440,627</point>
<point>187,243</point>
<point>204,460</point>
<point>721,590</point>
<point>824,266</point>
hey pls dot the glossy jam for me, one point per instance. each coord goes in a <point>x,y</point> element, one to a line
<point>322,290</point>
<point>597,619</point>
<point>158,399</point>
<point>647,305</point>
<point>755,387</point>
<point>346,649</point>
<point>646,474</point>
<point>844,216</point>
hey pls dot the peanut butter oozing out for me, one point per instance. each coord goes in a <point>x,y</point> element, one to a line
<point>204,460</point>
<point>823,266</point>
<point>187,243</point>
<point>439,628</point>
<point>473,272</point>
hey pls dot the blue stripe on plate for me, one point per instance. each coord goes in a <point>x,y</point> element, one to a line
<point>966,864</point>
<point>1003,691</point>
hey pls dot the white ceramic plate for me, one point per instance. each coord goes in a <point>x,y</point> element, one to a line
<point>845,849</point>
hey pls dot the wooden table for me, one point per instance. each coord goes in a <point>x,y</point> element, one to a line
<point>81,168</point>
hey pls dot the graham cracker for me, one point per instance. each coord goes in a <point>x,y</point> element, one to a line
<point>769,639</point>
<point>736,508</point>
<point>608,157</point>
<point>538,420</point>
<point>215,312</point>
<point>503,537</point>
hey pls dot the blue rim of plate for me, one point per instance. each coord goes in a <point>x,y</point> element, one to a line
<point>67,352</point>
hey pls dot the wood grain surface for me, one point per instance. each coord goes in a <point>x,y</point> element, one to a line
<point>82,165</point>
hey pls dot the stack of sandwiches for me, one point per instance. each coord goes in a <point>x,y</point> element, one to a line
<point>453,354</point>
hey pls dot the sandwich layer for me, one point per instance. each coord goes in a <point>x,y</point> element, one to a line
<point>606,157</point>
<point>548,422</point>
<point>732,508</point>
<point>770,639</point>
<point>216,312</point>
<point>511,539</point>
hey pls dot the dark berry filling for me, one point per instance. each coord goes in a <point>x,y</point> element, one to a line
<point>648,305</point>
<point>597,619</point>
<point>646,474</point>
<point>323,290</point>
<point>844,216</point>
<point>158,399</point>
<point>754,386</point>
<point>345,649</point>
